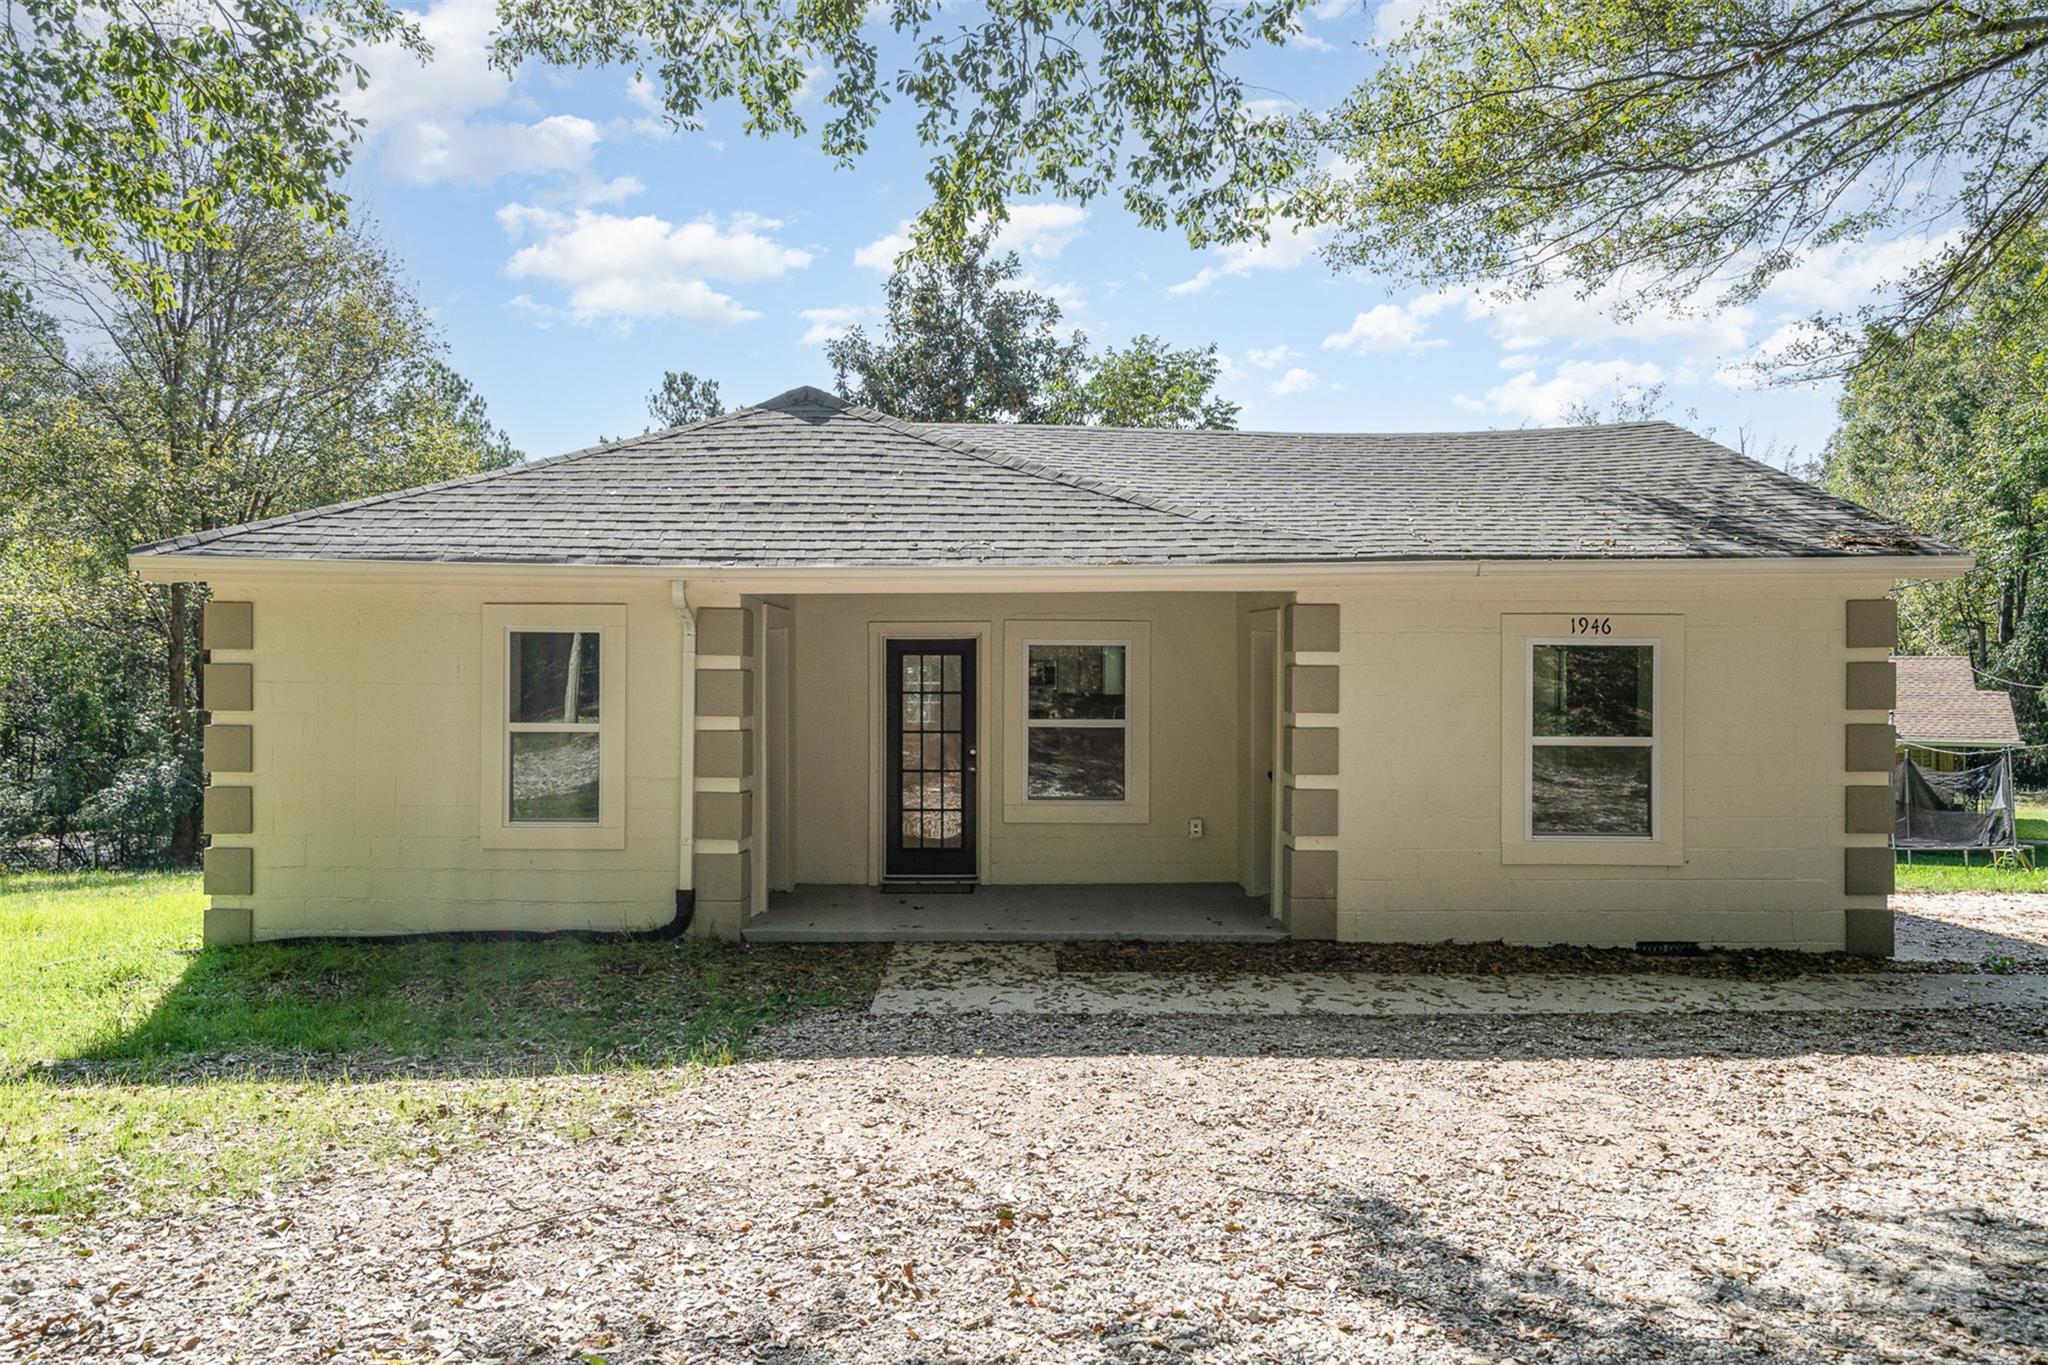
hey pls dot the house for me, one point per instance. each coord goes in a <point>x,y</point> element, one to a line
<point>1940,707</point>
<point>1599,685</point>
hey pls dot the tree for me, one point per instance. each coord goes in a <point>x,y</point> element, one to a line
<point>291,369</point>
<point>1945,428</point>
<point>1029,96</point>
<point>1150,384</point>
<point>1659,143</point>
<point>962,342</point>
<point>1675,146</point>
<point>966,341</point>
<point>683,398</point>
<point>97,97</point>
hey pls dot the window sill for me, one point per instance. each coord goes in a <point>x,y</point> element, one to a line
<point>1076,813</point>
<point>545,837</point>
<point>1594,852</point>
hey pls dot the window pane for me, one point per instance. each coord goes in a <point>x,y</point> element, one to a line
<point>554,676</point>
<point>1593,691</point>
<point>1585,789</point>
<point>1075,765</point>
<point>1077,682</point>
<point>554,777</point>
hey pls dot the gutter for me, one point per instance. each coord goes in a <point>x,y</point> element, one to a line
<point>967,577</point>
<point>686,761</point>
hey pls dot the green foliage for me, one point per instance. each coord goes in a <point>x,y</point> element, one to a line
<point>1670,145</point>
<point>1029,96</point>
<point>1150,384</point>
<point>122,1042</point>
<point>683,398</point>
<point>99,98</point>
<point>294,369</point>
<point>1945,428</point>
<point>965,341</point>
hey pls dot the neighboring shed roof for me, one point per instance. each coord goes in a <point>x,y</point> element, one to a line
<point>807,479</point>
<point>1939,702</point>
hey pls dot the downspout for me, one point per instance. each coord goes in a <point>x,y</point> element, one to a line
<point>686,763</point>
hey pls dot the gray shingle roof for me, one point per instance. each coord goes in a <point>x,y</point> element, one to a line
<point>1939,703</point>
<point>806,479</point>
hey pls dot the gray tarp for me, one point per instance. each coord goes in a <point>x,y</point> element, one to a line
<point>1971,807</point>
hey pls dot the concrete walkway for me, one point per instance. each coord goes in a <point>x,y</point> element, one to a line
<point>1189,913</point>
<point>1024,979</point>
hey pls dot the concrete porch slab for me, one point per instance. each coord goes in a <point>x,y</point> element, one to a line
<point>1195,912</point>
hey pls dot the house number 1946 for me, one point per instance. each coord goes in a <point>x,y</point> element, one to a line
<point>1592,625</point>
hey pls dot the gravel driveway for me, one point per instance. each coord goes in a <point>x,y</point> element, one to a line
<point>1857,1186</point>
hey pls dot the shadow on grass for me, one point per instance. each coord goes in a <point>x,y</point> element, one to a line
<point>1953,1283</point>
<point>466,1007</point>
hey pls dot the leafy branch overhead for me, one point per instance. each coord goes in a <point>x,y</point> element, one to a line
<point>1668,145</point>
<point>99,97</point>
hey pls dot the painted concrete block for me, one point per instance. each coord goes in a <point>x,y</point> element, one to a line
<point>230,687</point>
<point>230,810</point>
<point>1869,931</point>
<point>1873,623</point>
<point>1310,873</point>
<point>725,753</point>
<point>1312,628</point>
<point>1312,689</point>
<point>1311,750</point>
<point>229,749</point>
<point>1867,810</point>
<point>227,926</point>
<point>725,815</point>
<point>725,630</point>
<point>725,692</point>
<point>724,877</point>
<point>228,625</point>
<point>1310,811</point>
<point>1868,748</point>
<point>1868,871</point>
<point>229,872</point>
<point>1872,686</point>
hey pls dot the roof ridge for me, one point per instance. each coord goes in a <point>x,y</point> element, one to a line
<point>195,538</point>
<point>1052,473</point>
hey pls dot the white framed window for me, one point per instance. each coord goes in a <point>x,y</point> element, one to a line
<point>1077,720</point>
<point>1076,697</point>
<point>553,707</point>
<point>1592,734</point>
<point>1591,707</point>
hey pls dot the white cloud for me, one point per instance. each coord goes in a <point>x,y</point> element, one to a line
<point>1574,382</point>
<point>1395,17</point>
<point>626,268</point>
<point>425,151</point>
<point>1272,357</point>
<point>1844,274</point>
<point>829,324</point>
<point>1388,327</point>
<point>1296,380</point>
<point>423,117</point>
<point>1301,37</point>
<point>1038,231</point>
<point>1288,247</point>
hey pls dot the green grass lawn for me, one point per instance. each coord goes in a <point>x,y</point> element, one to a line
<point>1948,872</point>
<point>138,1070</point>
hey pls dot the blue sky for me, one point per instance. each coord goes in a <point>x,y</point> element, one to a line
<point>574,248</point>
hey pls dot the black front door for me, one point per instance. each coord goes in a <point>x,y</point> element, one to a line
<point>929,786</point>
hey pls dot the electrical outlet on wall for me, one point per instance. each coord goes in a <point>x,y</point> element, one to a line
<point>1195,828</point>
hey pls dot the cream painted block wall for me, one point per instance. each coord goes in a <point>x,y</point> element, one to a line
<point>1194,720</point>
<point>1420,745</point>
<point>367,766</point>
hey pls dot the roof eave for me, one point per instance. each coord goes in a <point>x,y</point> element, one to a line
<point>185,567</point>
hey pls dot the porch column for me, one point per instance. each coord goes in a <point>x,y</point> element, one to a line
<point>1309,644</point>
<point>1870,634</point>
<point>723,860</point>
